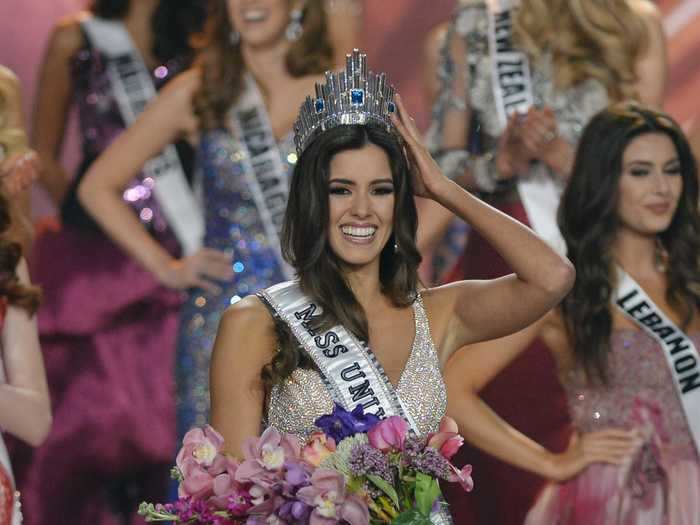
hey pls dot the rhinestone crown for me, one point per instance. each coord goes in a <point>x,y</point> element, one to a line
<point>353,96</point>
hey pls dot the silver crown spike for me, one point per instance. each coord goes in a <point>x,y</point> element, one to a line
<point>353,96</point>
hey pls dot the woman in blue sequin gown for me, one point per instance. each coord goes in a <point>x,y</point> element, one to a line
<point>261,58</point>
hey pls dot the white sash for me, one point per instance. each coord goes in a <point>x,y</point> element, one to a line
<point>265,172</point>
<point>348,368</point>
<point>133,89</point>
<point>680,352</point>
<point>512,88</point>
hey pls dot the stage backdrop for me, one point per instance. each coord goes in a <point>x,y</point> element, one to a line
<point>394,34</point>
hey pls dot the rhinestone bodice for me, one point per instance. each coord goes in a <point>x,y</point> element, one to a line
<point>640,392</point>
<point>296,403</point>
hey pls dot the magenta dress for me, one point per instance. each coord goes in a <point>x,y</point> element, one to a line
<point>108,332</point>
<point>661,484</point>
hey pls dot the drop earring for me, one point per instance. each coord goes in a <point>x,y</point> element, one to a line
<point>234,37</point>
<point>294,29</point>
<point>661,256</point>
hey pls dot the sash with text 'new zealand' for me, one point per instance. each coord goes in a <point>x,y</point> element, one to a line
<point>266,174</point>
<point>133,89</point>
<point>680,352</point>
<point>348,368</point>
<point>512,88</point>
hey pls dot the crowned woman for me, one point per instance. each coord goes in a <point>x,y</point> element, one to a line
<point>354,327</point>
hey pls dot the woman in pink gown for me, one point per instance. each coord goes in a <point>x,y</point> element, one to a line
<point>629,213</point>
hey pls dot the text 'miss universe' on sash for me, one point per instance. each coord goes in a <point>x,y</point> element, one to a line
<point>350,371</point>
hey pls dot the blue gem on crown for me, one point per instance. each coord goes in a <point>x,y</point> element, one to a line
<point>353,96</point>
<point>357,96</point>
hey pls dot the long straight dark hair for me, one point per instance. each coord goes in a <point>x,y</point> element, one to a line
<point>589,222</point>
<point>306,248</point>
<point>173,23</point>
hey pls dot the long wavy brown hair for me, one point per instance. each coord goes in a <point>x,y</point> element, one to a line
<point>588,221</point>
<point>600,39</point>
<point>305,242</point>
<point>222,65</point>
<point>11,289</point>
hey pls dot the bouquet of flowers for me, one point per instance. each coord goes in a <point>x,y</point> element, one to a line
<point>357,469</point>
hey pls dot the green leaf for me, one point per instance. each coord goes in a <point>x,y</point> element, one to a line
<point>386,488</point>
<point>427,491</point>
<point>411,517</point>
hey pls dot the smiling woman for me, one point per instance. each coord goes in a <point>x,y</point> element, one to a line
<point>350,235</point>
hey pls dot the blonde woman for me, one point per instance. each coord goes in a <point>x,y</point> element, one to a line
<point>518,86</point>
<point>18,164</point>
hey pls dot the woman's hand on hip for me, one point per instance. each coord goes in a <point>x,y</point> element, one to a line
<point>198,270</point>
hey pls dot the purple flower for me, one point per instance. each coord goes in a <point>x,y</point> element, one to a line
<point>365,459</point>
<point>294,512</point>
<point>431,462</point>
<point>341,423</point>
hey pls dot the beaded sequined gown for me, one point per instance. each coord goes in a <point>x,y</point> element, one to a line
<point>232,224</point>
<point>107,330</point>
<point>296,403</point>
<point>661,485</point>
<point>505,492</point>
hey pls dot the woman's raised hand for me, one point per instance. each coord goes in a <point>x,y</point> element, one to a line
<point>198,270</point>
<point>611,446</point>
<point>427,175</point>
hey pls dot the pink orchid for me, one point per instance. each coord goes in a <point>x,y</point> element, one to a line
<point>389,434</point>
<point>463,476</point>
<point>197,482</point>
<point>202,445</point>
<point>447,440</point>
<point>272,449</point>
<point>265,456</point>
<point>319,447</point>
<point>326,496</point>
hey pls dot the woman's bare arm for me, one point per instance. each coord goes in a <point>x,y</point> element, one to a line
<point>244,344</point>
<point>480,310</point>
<point>52,103</point>
<point>169,117</point>
<point>473,367</point>
<point>25,409</point>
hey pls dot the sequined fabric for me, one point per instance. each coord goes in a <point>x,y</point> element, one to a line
<point>573,107</point>
<point>100,122</point>
<point>296,403</point>
<point>661,484</point>
<point>234,226</point>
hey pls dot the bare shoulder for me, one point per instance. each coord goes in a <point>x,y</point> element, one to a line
<point>9,79</point>
<point>176,99</point>
<point>67,36</point>
<point>648,11</point>
<point>251,313</point>
<point>248,325</point>
<point>183,87</point>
